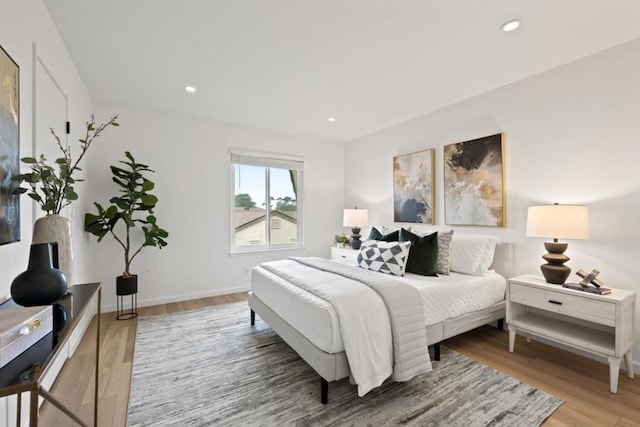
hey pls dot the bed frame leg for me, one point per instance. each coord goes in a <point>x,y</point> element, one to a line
<point>436,351</point>
<point>501,324</point>
<point>324,391</point>
<point>253,318</point>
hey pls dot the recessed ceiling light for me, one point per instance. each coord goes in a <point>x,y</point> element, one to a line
<point>510,25</point>
<point>190,89</point>
<point>332,119</point>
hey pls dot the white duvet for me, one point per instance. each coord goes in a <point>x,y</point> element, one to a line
<point>366,332</point>
<point>381,319</point>
<point>444,297</point>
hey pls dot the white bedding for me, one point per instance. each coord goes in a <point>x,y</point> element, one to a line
<point>366,331</point>
<point>381,319</point>
<point>444,297</point>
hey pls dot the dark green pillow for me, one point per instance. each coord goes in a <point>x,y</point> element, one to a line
<point>374,234</point>
<point>423,254</point>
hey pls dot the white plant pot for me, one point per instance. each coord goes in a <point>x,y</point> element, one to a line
<point>57,229</point>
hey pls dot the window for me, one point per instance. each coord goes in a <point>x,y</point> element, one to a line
<point>267,201</point>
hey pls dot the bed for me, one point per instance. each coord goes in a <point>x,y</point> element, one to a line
<point>452,304</point>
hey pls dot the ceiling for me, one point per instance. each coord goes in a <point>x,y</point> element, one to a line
<point>289,65</point>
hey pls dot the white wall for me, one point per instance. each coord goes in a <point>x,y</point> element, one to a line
<point>23,23</point>
<point>192,164</point>
<point>572,135</point>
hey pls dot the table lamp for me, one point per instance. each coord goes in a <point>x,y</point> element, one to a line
<point>355,218</point>
<point>557,222</point>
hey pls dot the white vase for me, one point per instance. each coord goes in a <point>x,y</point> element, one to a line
<point>57,229</point>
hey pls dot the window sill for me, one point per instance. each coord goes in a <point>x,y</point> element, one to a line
<point>235,252</point>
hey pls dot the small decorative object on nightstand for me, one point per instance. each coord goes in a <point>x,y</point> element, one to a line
<point>590,278</point>
<point>601,325</point>
<point>355,218</point>
<point>558,222</point>
<point>589,283</point>
<point>340,240</point>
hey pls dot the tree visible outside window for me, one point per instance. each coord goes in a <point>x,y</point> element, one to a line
<point>243,200</point>
<point>267,203</point>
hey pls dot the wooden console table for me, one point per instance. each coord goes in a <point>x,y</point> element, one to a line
<point>27,371</point>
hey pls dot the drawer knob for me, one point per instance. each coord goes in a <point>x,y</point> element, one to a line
<point>555,302</point>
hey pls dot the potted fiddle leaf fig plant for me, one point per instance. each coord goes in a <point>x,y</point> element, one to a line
<point>132,207</point>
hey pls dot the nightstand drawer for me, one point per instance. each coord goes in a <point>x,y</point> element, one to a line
<point>345,255</point>
<point>602,312</point>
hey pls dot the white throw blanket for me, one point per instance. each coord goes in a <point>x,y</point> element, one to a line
<point>381,319</point>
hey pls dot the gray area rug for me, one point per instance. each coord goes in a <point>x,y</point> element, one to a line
<point>211,367</point>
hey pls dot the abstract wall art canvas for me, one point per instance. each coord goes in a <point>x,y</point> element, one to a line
<point>9,148</point>
<point>474,192</point>
<point>413,193</point>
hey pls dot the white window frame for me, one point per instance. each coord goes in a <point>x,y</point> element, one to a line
<point>267,160</point>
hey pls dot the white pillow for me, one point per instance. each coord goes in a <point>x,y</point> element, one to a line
<point>384,257</point>
<point>472,253</point>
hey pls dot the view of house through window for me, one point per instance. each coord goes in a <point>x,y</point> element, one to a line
<point>266,202</point>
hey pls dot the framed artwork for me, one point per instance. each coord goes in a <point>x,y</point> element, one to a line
<point>9,148</point>
<point>474,190</point>
<point>413,194</point>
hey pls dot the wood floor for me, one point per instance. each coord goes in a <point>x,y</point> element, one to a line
<point>582,383</point>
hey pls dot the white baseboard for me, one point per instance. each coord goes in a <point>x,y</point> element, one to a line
<point>182,297</point>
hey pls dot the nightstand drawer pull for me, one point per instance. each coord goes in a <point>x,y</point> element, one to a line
<point>555,302</point>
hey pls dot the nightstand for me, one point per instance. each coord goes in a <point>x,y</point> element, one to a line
<point>346,255</point>
<point>601,325</point>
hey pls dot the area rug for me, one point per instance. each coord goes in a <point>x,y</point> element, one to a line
<point>211,367</point>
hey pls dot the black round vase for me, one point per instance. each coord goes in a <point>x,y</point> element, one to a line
<point>40,284</point>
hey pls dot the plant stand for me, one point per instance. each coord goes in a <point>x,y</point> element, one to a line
<point>126,286</point>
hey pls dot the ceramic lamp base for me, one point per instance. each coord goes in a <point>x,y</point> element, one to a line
<point>555,271</point>
<point>355,238</point>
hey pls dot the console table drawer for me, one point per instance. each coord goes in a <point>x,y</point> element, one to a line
<point>597,311</point>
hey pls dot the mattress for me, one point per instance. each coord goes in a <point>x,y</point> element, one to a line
<point>443,297</point>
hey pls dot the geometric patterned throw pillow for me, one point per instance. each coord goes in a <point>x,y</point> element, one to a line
<point>384,257</point>
<point>444,252</point>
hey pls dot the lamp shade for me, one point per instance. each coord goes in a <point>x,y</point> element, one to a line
<point>558,222</point>
<point>355,217</point>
